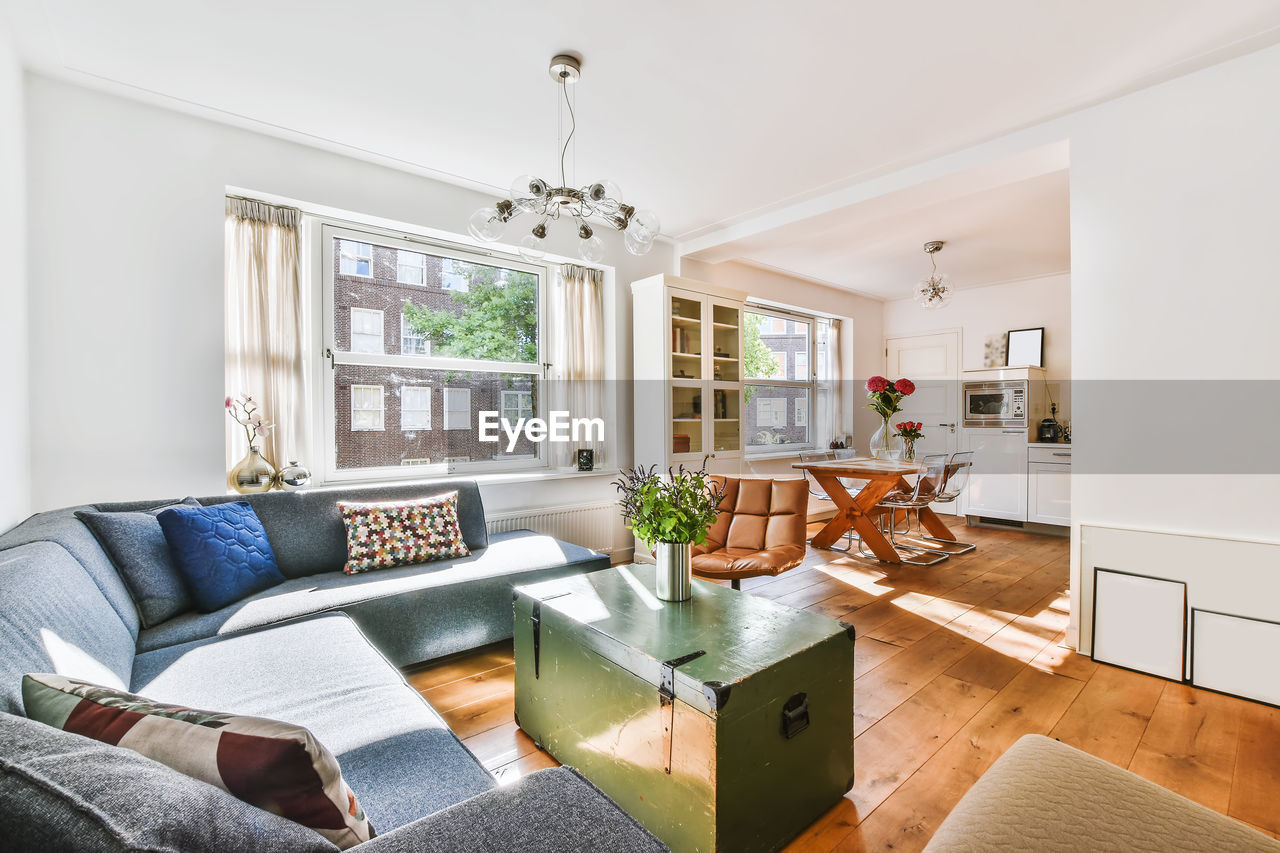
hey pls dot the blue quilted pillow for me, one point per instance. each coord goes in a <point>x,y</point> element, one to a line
<point>222,551</point>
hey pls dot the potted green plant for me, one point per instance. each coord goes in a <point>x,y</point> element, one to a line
<point>670,515</point>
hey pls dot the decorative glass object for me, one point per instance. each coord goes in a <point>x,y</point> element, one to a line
<point>909,449</point>
<point>293,476</point>
<point>253,474</point>
<point>885,444</point>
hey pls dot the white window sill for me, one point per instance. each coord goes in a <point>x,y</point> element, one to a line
<point>776,454</point>
<point>536,475</point>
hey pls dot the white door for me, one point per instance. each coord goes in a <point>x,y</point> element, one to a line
<point>932,362</point>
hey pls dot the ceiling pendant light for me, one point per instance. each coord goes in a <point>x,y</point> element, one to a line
<point>935,291</point>
<point>546,203</point>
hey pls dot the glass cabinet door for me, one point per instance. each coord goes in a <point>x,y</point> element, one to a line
<point>686,337</point>
<point>727,418</point>
<point>726,340</point>
<point>686,419</point>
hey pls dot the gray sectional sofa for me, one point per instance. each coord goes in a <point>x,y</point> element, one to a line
<point>320,650</point>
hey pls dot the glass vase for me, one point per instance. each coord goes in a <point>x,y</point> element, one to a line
<point>252,474</point>
<point>909,449</point>
<point>884,444</point>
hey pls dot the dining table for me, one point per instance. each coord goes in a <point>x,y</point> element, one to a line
<point>859,510</point>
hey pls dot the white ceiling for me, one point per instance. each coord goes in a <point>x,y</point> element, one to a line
<point>707,112</point>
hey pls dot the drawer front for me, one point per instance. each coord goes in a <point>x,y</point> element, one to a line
<point>1059,454</point>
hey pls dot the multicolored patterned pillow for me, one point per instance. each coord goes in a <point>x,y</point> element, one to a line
<point>278,767</point>
<point>380,535</point>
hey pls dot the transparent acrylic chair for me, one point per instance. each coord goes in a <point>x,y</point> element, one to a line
<point>817,491</point>
<point>958,469</point>
<point>929,484</point>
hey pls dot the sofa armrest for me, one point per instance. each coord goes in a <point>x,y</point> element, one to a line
<point>551,811</point>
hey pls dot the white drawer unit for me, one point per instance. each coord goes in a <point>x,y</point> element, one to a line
<point>1049,484</point>
<point>998,484</point>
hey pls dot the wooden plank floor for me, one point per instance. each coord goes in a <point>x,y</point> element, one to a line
<point>954,663</point>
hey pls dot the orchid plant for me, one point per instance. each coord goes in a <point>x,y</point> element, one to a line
<point>243,410</point>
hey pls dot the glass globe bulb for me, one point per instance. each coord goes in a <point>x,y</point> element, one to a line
<point>530,248</point>
<point>646,224</point>
<point>485,225</point>
<point>635,244</point>
<point>612,191</point>
<point>591,249</point>
<point>528,186</point>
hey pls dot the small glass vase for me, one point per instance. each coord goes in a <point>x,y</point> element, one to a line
<point>885,444</point>
<point>908,449</point>
<point>253,474</point>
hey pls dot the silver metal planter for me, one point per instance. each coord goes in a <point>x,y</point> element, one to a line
<point>675,571</point>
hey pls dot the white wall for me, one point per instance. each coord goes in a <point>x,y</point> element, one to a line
<point>126,249</point>
<point>1173,217</point>
<point>15,481</point>
<point>861,335</point>
<point>993,310</point>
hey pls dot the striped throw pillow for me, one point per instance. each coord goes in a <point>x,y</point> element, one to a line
<point>381,535</point>
<point>278,767</point>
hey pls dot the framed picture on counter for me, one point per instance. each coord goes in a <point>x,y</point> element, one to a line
<point>1024,347</point>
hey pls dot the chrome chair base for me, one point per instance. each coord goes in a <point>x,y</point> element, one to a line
<point>957,547</point>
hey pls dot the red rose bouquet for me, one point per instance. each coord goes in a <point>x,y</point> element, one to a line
<point>885,397</point>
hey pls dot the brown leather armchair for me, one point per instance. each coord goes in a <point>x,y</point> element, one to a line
<point>760,530</point>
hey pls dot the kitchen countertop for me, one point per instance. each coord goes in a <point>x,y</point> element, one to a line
<point>1049,444</point>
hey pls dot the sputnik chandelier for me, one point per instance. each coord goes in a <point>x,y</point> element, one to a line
<point>545,203</point>
<point>935,290</point>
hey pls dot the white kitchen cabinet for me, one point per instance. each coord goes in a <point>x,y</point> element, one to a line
<point>1049,486</point>
<point>998,486</point>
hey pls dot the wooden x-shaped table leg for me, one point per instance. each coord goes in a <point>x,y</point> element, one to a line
<point>857,511</point>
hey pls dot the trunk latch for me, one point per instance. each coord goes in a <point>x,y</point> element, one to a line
<point>667,701</point>
<point>795,715</point>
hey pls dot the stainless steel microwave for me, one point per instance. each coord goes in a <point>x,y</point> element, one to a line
<point>995,404</point>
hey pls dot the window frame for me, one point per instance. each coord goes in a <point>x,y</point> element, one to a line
<point>382,328</point>
<point>450,391</point>
<point>405,335</point>
<point>357,259</point>
<point>382,407</point>
<point>422,269</point>
<point>810,384</point>
<point>502,404</point>
<point>403,409</point>
<point>323,230</point>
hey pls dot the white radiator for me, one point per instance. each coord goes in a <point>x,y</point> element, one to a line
<point>597,526</point>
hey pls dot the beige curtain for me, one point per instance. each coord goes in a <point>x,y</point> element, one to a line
<point>828,407</point>
<point>576,374</point>
<point>263,302</point>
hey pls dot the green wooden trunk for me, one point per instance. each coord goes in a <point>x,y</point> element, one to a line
<point>720,723</point>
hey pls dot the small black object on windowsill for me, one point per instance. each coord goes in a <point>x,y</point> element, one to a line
<point>586,460</point>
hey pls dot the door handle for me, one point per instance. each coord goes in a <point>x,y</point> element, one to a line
<point>951,427</point>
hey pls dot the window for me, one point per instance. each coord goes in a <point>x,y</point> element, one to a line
<point>517,405</point>
<point>801,360</point>
<point>771,411</point>
<point>411,343</point>
<point>415,408</point>
<point>366,330</point>
<point>470,341</point>
<point>778,384</point>
<point>411,267</point>
<point>366,408</point>
<point>457,408</point>
<point>355,258</point>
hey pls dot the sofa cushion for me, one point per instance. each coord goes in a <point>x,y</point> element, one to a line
<point>222,552</point>
<point>275,766</point>
<point>62,526</point>
<point>322,674</point>
<point>68,793</point>
<point>404,533</point>
<point>137,548</point>
<point>1046,796</point>
<point>551,811</point>
<point>453,604</point>
<point>56,619</point>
